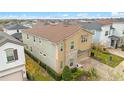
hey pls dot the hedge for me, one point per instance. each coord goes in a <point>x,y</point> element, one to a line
<point>50,71</point>
<point>29,77</point>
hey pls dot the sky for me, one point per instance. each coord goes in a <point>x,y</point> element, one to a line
<point>58,15</point>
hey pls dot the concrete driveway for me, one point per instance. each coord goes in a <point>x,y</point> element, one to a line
<point>117,52</point>
<point>104,71</point>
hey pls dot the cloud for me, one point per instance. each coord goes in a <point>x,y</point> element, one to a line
<point>62,16</point>
<point>118,14</point>
<point>65,15</point>
<point>82,15</point>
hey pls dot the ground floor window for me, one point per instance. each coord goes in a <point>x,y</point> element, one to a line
<point>31,49</point>
<point>71,62</point>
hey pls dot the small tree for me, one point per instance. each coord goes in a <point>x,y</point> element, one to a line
<point>66,74</point>
<point>122,47</point>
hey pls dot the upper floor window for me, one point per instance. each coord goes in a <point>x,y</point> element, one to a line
<point>34,38</point>
<point>106,33</point>
<point>27,36</point>
<point>83,38</point>
<point>72,45</point>
<point>44,55</point>
<point>123,31</point>
<point>39,40</point>
<point>61,47</point>
<point>11,54</point>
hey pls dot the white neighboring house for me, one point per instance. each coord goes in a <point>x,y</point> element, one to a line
<point>14,28</point>
<point>12,59</point>
<point>109,35</point>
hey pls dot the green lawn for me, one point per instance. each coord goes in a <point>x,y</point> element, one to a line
<point>38,73</point>
<point>105,58</point>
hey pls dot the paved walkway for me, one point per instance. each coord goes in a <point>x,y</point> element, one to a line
<point>117,52</point>
<point>104,71</point>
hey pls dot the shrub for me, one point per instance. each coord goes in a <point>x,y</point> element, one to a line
<point>94,47</point>
<point>55,75</point>
<point>73,70</point>
<point>29,76</point>
<point>122,47</point>
<point>42,65</point>
<point>77,74</point>
<point>92,74</point>
<point>66,74</point>
<point>92,54</point>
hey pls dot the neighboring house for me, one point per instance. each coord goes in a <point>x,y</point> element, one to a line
<point>29,23</point>
<point>108,34</point>
<point>12,58</point>
<point>17,36</point>
<point>13,28</point>
<point>117,34</point>
<point>58,45</point>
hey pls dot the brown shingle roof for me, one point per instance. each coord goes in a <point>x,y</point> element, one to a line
<point>54,33</point>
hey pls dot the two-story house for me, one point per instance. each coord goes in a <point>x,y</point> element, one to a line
<point>58,45</point>
<point>12,58</point>
<point>109,34</point>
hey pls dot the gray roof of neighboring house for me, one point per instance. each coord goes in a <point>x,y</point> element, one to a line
<point>17,36</point>
<point>91,26</point>
<point>114,37</point>
<point>4,38</point>
<point>15,26</point>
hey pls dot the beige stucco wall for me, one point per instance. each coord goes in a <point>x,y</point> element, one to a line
<point>68,53</point>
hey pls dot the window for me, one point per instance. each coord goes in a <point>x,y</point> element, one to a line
<point>61,64</point>
<point>123,32</point>
<point>106,33</point>
<point>34,38</point>
<point>27,46</point>
<point>71,62</point>
<point>39,40</point>
<point>44,55</point>
<point>83,38</point>
<point>27,36</point>
<point>31,49</point>
<point>72,45</point>
<point>61,47</point>
<point>40,52</point>
<point>11,54</point>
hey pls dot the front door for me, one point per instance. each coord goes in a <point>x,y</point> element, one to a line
<point>112,43</point>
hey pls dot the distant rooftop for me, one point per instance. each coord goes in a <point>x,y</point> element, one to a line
<point>91,25</point>
<point>15,26</point>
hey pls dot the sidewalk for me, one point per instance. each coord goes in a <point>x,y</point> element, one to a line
<point>117,52</point>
